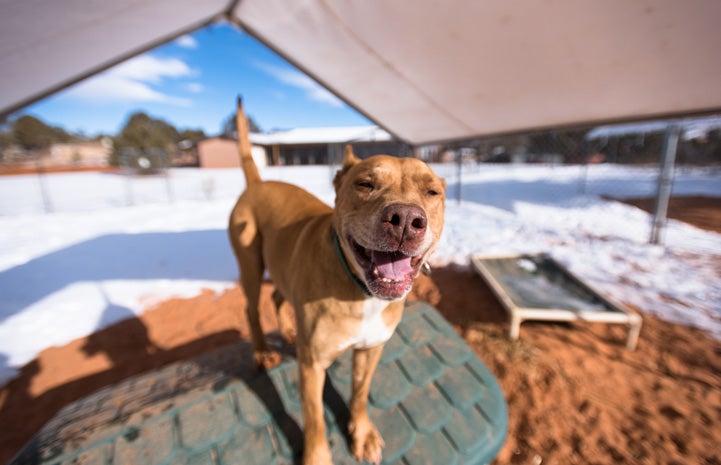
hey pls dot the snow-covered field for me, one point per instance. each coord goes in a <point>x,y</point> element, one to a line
<point>115,246</point>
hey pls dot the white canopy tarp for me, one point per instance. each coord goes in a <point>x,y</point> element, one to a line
<point>425,70</point>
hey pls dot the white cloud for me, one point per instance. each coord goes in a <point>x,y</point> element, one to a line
<point>147,68</point>
<point>294,78</point>
<point>186,41</point>
<point>132,79</point>
<point>195,87</point>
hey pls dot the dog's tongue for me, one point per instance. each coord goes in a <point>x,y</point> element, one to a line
<point>392,265</point>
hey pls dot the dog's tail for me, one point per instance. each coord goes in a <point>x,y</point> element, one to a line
<point>250,169</point>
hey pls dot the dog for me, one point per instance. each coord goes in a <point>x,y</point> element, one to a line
<point>346,272</point>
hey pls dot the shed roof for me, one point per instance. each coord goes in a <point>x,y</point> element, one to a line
<point>322,135</point>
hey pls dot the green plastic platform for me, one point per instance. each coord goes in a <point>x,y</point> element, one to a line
<point>432,399</point>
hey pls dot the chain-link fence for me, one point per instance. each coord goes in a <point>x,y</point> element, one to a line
<point>622,162</point>
<point>36,182</point>
<point>643,164</point>
<point>135,164</point>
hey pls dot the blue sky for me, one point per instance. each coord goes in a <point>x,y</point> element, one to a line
<point>193,82</point>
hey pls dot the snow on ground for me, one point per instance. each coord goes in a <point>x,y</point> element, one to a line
<point>116,245</point>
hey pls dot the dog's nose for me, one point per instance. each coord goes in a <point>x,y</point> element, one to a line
<point>404,222</point>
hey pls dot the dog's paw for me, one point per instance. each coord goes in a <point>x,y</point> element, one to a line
<point>267,359</point>
<point>367,442</point>
<point>289,334</point>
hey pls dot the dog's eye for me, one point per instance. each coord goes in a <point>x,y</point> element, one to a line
<point>367,185</point>
<point>432,192</point>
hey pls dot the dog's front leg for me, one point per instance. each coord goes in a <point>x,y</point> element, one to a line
<point>367,443</point>
<point>312,378</point>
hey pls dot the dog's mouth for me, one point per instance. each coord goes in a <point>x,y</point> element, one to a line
<point>388,275</point>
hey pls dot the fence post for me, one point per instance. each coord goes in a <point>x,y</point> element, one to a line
<point>665,182</point>
<point>165,164</point>
<point>459,158</point>
<point>124,161</point>
<point>44,193</point>
<point>584,168</point>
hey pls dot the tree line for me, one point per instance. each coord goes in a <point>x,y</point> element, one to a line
<point>140,133</point>
<point>31,133</point>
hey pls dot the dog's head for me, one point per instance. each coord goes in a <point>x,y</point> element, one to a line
<point>388,217</point>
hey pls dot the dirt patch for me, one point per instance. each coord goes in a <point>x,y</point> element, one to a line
<point>700,211</point>
<point>12,170</point>
<point>575,394</point>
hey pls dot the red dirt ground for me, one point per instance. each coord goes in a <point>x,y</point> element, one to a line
<point>704,212</point>
<point>575,394</point>
<point>12,170</point>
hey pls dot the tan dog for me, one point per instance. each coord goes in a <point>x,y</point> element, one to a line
<point>346,271</point>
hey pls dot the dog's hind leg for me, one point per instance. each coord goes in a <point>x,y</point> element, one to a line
<point>247,248</point>
<point>286,317</point>
<point>251,279</point>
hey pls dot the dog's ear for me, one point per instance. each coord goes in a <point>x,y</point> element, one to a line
<point>350,157</point>
<point>349,162</point>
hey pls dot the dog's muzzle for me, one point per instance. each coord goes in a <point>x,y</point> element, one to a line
<point>399,243</point>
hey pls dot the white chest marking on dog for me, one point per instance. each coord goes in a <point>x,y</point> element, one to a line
<point>372,330</point>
